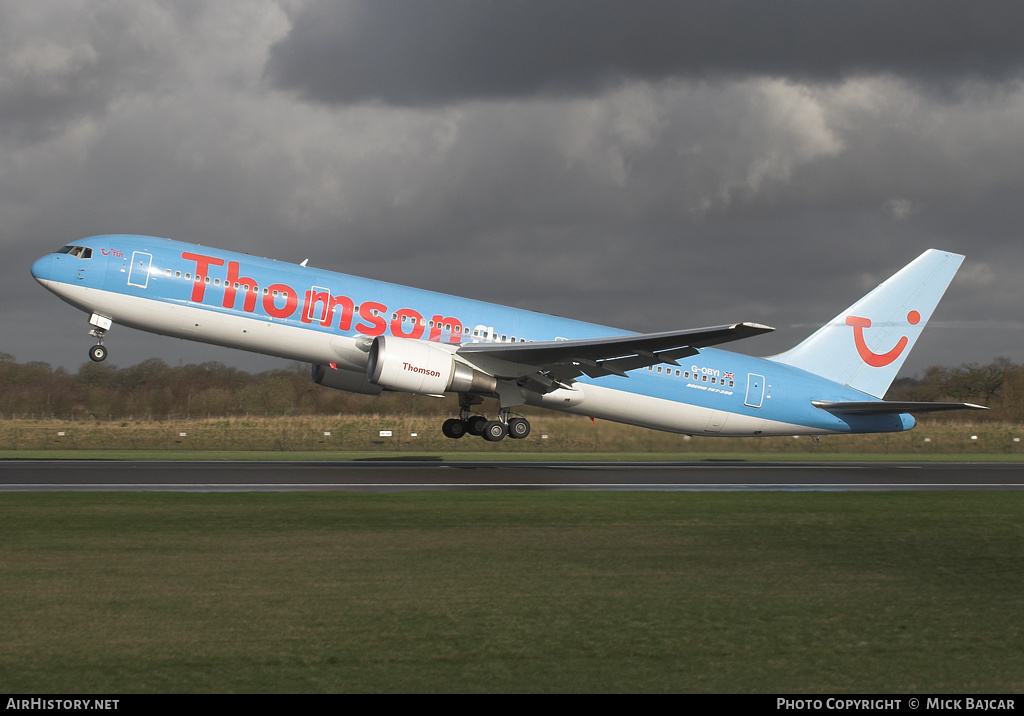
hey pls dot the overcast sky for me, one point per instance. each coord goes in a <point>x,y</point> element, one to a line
<point>646,165</point>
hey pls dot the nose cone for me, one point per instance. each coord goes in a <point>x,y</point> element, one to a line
<point>42,269</point>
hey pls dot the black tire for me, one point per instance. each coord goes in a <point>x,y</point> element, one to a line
<point>494,431</point>
<point>97,353</point>
<point>453,428</point>
<point>518,428</point>
<point>476,424</point>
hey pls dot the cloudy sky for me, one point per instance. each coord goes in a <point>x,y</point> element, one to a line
<point>647,165</point>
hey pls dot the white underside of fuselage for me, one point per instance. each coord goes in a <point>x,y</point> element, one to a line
<point>276,338</point>
<point>256,334</point>
<point>646,411</point>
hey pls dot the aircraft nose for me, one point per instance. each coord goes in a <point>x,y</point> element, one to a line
<point>42,268</point>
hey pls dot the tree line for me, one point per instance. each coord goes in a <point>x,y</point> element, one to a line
<point>998,385</point>
<point>153,389</point>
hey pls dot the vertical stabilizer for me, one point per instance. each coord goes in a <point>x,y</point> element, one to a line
<point>865,345</point>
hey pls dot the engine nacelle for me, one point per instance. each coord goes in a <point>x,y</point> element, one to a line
<point>348,380</point>
<point>352,352</point>
<point>415,366</point>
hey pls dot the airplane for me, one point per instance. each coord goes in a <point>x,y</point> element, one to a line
<point>368,336</point>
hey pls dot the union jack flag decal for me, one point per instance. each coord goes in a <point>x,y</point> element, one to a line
<point>730,376</point>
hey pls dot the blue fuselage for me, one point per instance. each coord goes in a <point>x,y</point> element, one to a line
<point>308,314</point>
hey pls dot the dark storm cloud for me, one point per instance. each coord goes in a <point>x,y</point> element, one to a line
<point>444,51</point>
<point>637,170</point>
<point>59,65</point>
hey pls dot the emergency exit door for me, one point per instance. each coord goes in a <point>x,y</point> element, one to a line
<point>138,274</point>
<point>755,390</point>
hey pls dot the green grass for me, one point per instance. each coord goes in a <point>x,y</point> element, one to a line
<point>512,591</point>
<point>554,437</point>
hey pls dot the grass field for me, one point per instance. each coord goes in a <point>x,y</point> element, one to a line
<point>512,591</point>
<point>329,437</point>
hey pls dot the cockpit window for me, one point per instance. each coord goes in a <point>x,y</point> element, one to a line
<point>81,252</point>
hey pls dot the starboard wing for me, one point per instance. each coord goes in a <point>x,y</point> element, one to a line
<point>596,357</point>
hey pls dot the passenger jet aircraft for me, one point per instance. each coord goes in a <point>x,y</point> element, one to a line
<point>366,336</point>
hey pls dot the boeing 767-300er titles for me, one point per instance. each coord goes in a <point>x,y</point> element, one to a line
<point>366,336</point>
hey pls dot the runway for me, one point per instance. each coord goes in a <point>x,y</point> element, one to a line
<point>428,474</point>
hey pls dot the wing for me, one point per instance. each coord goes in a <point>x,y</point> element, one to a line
<point>556,362</point>
<point>882,407</point>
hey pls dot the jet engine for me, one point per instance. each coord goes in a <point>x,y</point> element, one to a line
<point>341,379</point>
<point>415,366</point>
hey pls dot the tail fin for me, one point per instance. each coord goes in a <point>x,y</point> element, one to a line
<point>865,345</point>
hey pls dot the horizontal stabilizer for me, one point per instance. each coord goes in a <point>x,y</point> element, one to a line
<point>888,407</point>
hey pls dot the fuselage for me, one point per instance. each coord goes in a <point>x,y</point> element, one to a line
<point>322,317</point>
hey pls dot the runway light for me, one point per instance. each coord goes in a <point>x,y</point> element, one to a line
<point>385,433</point>
<point>181,435</point>
<point>327,433</point>
<point>974,437</point>
<point>413,435</point>
<point>1016,440</point>
<point>60,433</point>
<point>927,440</point>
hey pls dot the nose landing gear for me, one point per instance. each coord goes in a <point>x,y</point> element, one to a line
<point>98,352</point>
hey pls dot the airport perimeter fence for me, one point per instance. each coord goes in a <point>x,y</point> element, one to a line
<point>417,434</point>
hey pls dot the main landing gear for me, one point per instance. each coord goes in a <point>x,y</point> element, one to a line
<point>490,430</point>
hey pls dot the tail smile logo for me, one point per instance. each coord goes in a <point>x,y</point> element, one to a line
<point>878,360</point>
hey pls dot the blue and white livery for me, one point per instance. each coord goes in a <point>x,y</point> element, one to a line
<point>366,336</point>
